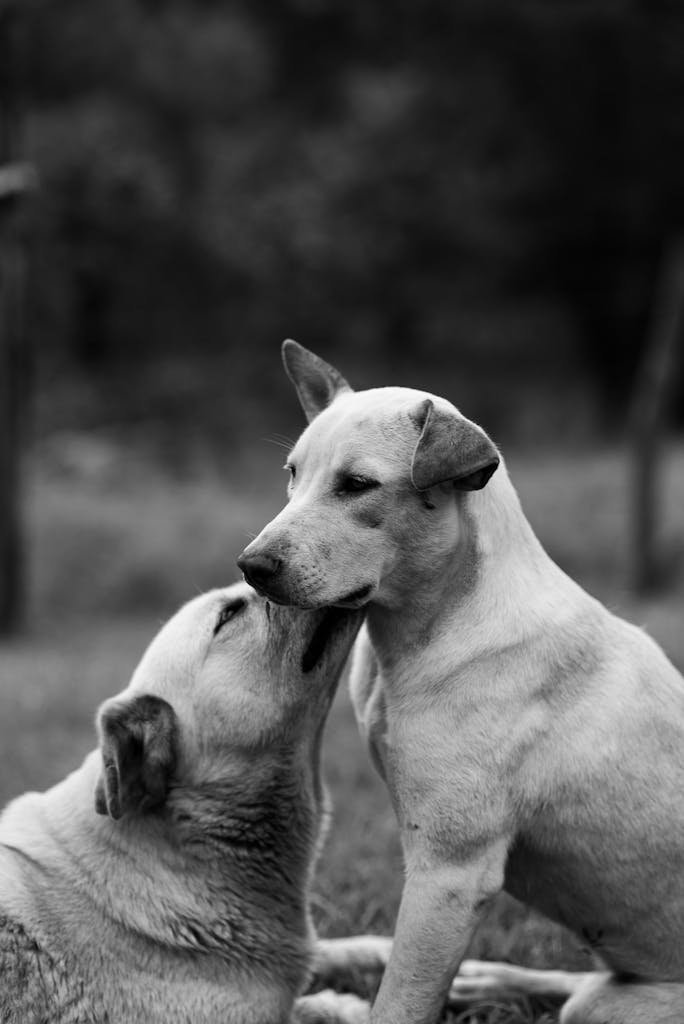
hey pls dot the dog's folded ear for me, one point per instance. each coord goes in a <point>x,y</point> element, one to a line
<point>316,382</point>
<point>450,448</point>
<point>138,741</point>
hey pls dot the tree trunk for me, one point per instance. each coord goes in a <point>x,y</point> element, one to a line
<point>14,179</point>
<point>652,392</point>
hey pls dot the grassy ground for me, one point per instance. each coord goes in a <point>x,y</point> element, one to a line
<point>116,545</point>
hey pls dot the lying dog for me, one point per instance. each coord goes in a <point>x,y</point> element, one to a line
<point>184,899</point>
<point>531,740</point>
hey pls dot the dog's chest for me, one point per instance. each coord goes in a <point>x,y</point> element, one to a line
<point>442,785</point>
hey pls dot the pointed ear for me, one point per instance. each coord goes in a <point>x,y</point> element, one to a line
<point>138,740</point>
<point>450,448</point>
<point>316,382</point>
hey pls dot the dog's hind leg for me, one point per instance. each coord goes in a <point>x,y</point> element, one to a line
<point>328,1007</point>
<point>483,979</point>
<point>605,999</point>
<point>338,960</point>
<point>593,997</point>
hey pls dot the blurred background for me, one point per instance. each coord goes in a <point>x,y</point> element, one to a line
<point>482,198</point>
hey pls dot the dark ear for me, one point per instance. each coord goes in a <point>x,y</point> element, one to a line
<point>138,740</point>
<point>316,382</point>
<point>450,448</point>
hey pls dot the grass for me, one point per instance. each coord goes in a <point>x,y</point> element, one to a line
<point>116,544</point>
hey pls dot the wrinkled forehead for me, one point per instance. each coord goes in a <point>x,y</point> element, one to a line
<point>181,644</point>
<point>379,425</point>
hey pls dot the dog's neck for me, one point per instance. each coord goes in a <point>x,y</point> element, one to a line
<point>493,586</point>
<point>187,876</point>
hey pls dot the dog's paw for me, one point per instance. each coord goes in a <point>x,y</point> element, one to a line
<point>329,1007</point>
<point>351,1009</point>
<point>480,980</point>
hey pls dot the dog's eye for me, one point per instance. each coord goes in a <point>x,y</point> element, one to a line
<point>292,470</point>
<point>350,484</point>
<point>228,612</point>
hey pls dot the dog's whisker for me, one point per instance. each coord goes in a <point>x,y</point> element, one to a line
<point>286,443</point>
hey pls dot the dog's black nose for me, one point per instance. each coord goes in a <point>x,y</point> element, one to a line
<point>258,570</point>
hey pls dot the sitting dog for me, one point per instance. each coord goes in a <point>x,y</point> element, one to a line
<point>184,898</point>
<point>530,739</point>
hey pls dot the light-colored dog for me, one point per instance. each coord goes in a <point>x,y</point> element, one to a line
<point>184,899</point>
<point>530,740</point>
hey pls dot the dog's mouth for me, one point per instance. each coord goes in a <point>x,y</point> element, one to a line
<point>356,599</point>
<point>323,634</point>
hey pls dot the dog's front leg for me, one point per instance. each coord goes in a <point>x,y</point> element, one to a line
<point>440,907</point>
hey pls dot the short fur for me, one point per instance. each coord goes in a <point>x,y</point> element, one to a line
<point>185,898</point>
<point>530,740</point>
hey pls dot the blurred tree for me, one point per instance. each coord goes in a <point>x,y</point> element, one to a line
<point>662,357</point>
<point>15,179</point>
<point>472,193</point>
<point>605,85</point>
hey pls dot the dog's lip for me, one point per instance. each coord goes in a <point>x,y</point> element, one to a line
<point>261,591</point>
<point>356,598</point>
<point>323,633</point>
<point>269,594</point>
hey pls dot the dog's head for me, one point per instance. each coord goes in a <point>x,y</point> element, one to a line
<point>373,491</point>
<point>228,675</point>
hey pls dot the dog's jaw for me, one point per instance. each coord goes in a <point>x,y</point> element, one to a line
<point>357,598</point>
<point>333,625</point>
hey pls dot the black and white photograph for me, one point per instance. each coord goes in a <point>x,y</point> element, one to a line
<point>342,512</point>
